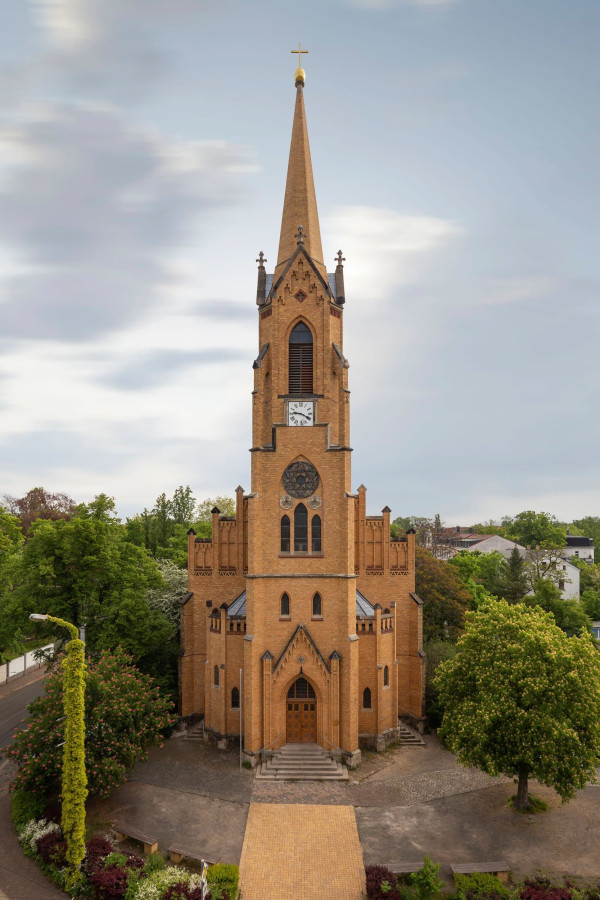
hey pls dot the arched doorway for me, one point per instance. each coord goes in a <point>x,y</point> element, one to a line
<point>301,713</point>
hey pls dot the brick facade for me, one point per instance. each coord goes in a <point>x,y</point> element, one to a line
<point>341,651</point>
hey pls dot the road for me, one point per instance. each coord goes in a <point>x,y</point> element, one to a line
<point>13,708</point>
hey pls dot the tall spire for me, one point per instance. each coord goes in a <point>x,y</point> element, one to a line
<point>300,203</point>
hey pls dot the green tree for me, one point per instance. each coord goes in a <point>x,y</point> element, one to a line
<point>513,578</point>
<point>183,506</point>
<point>589,574</point>
<point>590,601</point>
<point>445,599</point>
<point>85,571</point>
<point>11,536</point>
<point>480,569</point>
<point>569,615</point>
<point>225,505</point>
<point>522,699</point>
<point>11,543</point>
<point>533,529</point>
<point>125,714</point>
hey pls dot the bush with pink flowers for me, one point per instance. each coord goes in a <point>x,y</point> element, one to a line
<point>125,714</point>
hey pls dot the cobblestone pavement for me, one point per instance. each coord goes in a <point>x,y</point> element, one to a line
<point>319,857</point>
<point>420,788</point>
<point>306,792</point>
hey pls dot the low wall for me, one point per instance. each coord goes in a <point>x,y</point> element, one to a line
<point>19,666</point>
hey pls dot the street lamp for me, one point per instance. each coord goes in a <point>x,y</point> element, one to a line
<point>74,778</point>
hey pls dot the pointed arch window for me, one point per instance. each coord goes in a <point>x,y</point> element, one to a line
<point>366,698</point>
<point>301,360</point>
<point>300,529</point>
<point>285,605</point>
<point>315,534</point>
<point>235,698</point>
<point>216,676</point>
<point>317,606</point>
<point>285,534</point>
<point>386,676</point>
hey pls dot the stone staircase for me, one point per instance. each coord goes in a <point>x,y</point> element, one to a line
<point>408,736</point>
<point>195,732</point>
<point>301,762</point>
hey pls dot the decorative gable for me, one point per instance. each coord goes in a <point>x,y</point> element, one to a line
<point>300,644</point>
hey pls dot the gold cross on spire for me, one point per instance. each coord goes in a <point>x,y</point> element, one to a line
<point>299,51</point>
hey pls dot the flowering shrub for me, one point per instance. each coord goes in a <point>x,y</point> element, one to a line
<point>156,885</point>
<point>124,715</point>
<point>33,831</point>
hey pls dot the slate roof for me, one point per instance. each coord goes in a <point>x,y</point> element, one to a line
<point>574,540</point>
<point>238,607</point>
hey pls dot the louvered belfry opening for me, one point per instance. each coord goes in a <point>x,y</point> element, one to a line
<point>301,360</point>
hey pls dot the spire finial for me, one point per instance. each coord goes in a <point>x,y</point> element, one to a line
<point>262,259</point>
<point>339,258</point>
<point>300,74</point>
<point>300,236</point>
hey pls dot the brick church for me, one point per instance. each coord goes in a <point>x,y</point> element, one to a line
<point>302,591</point>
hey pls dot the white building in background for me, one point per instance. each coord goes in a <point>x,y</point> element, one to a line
<point>581,547</point>
<point>569,582</point>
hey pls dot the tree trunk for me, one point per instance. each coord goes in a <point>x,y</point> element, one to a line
<point>522,801</point>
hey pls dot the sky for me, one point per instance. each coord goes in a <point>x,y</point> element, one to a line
<point>455,144</point>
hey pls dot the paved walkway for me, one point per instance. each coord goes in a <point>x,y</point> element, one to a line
<point>301,852</point>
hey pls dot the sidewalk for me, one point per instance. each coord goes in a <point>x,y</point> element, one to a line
<point>15,684</point>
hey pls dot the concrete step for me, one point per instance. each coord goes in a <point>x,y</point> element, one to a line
<point>408,735</point>
<point>195,733</point>
<point>301,762</point>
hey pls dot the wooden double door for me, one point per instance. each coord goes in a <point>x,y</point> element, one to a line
<point>301,713</point>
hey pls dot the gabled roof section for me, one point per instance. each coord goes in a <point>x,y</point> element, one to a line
<point>237,610</point>
<point>281,271</point>
<point>300,634</point>
<point>300,203</point>
<point>363,607</point>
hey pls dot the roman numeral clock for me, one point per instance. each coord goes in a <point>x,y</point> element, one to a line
<point>301,412</point>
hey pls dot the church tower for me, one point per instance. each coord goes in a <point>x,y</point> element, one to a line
<point>302,624</point>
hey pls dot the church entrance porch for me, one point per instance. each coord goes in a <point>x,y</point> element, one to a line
<point>301,713</point>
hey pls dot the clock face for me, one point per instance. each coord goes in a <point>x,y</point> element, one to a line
<point>301,412</point>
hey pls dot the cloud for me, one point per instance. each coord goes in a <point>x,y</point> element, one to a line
<point>94,209</point>
<point>387,4</point>
<point>159,366</point>
<point>104,44</point>
<point>517,290</point>
<point>386,248</point>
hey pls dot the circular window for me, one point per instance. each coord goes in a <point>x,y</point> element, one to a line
<point>300,479</point>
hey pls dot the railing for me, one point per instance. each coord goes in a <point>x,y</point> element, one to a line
<point>215,624</point>
<point>240,626</point>
<point>365,626</point>
<point>338,749</point>
<point>268,747</point>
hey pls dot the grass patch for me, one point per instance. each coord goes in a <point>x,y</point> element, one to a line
<point>535,805</point>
